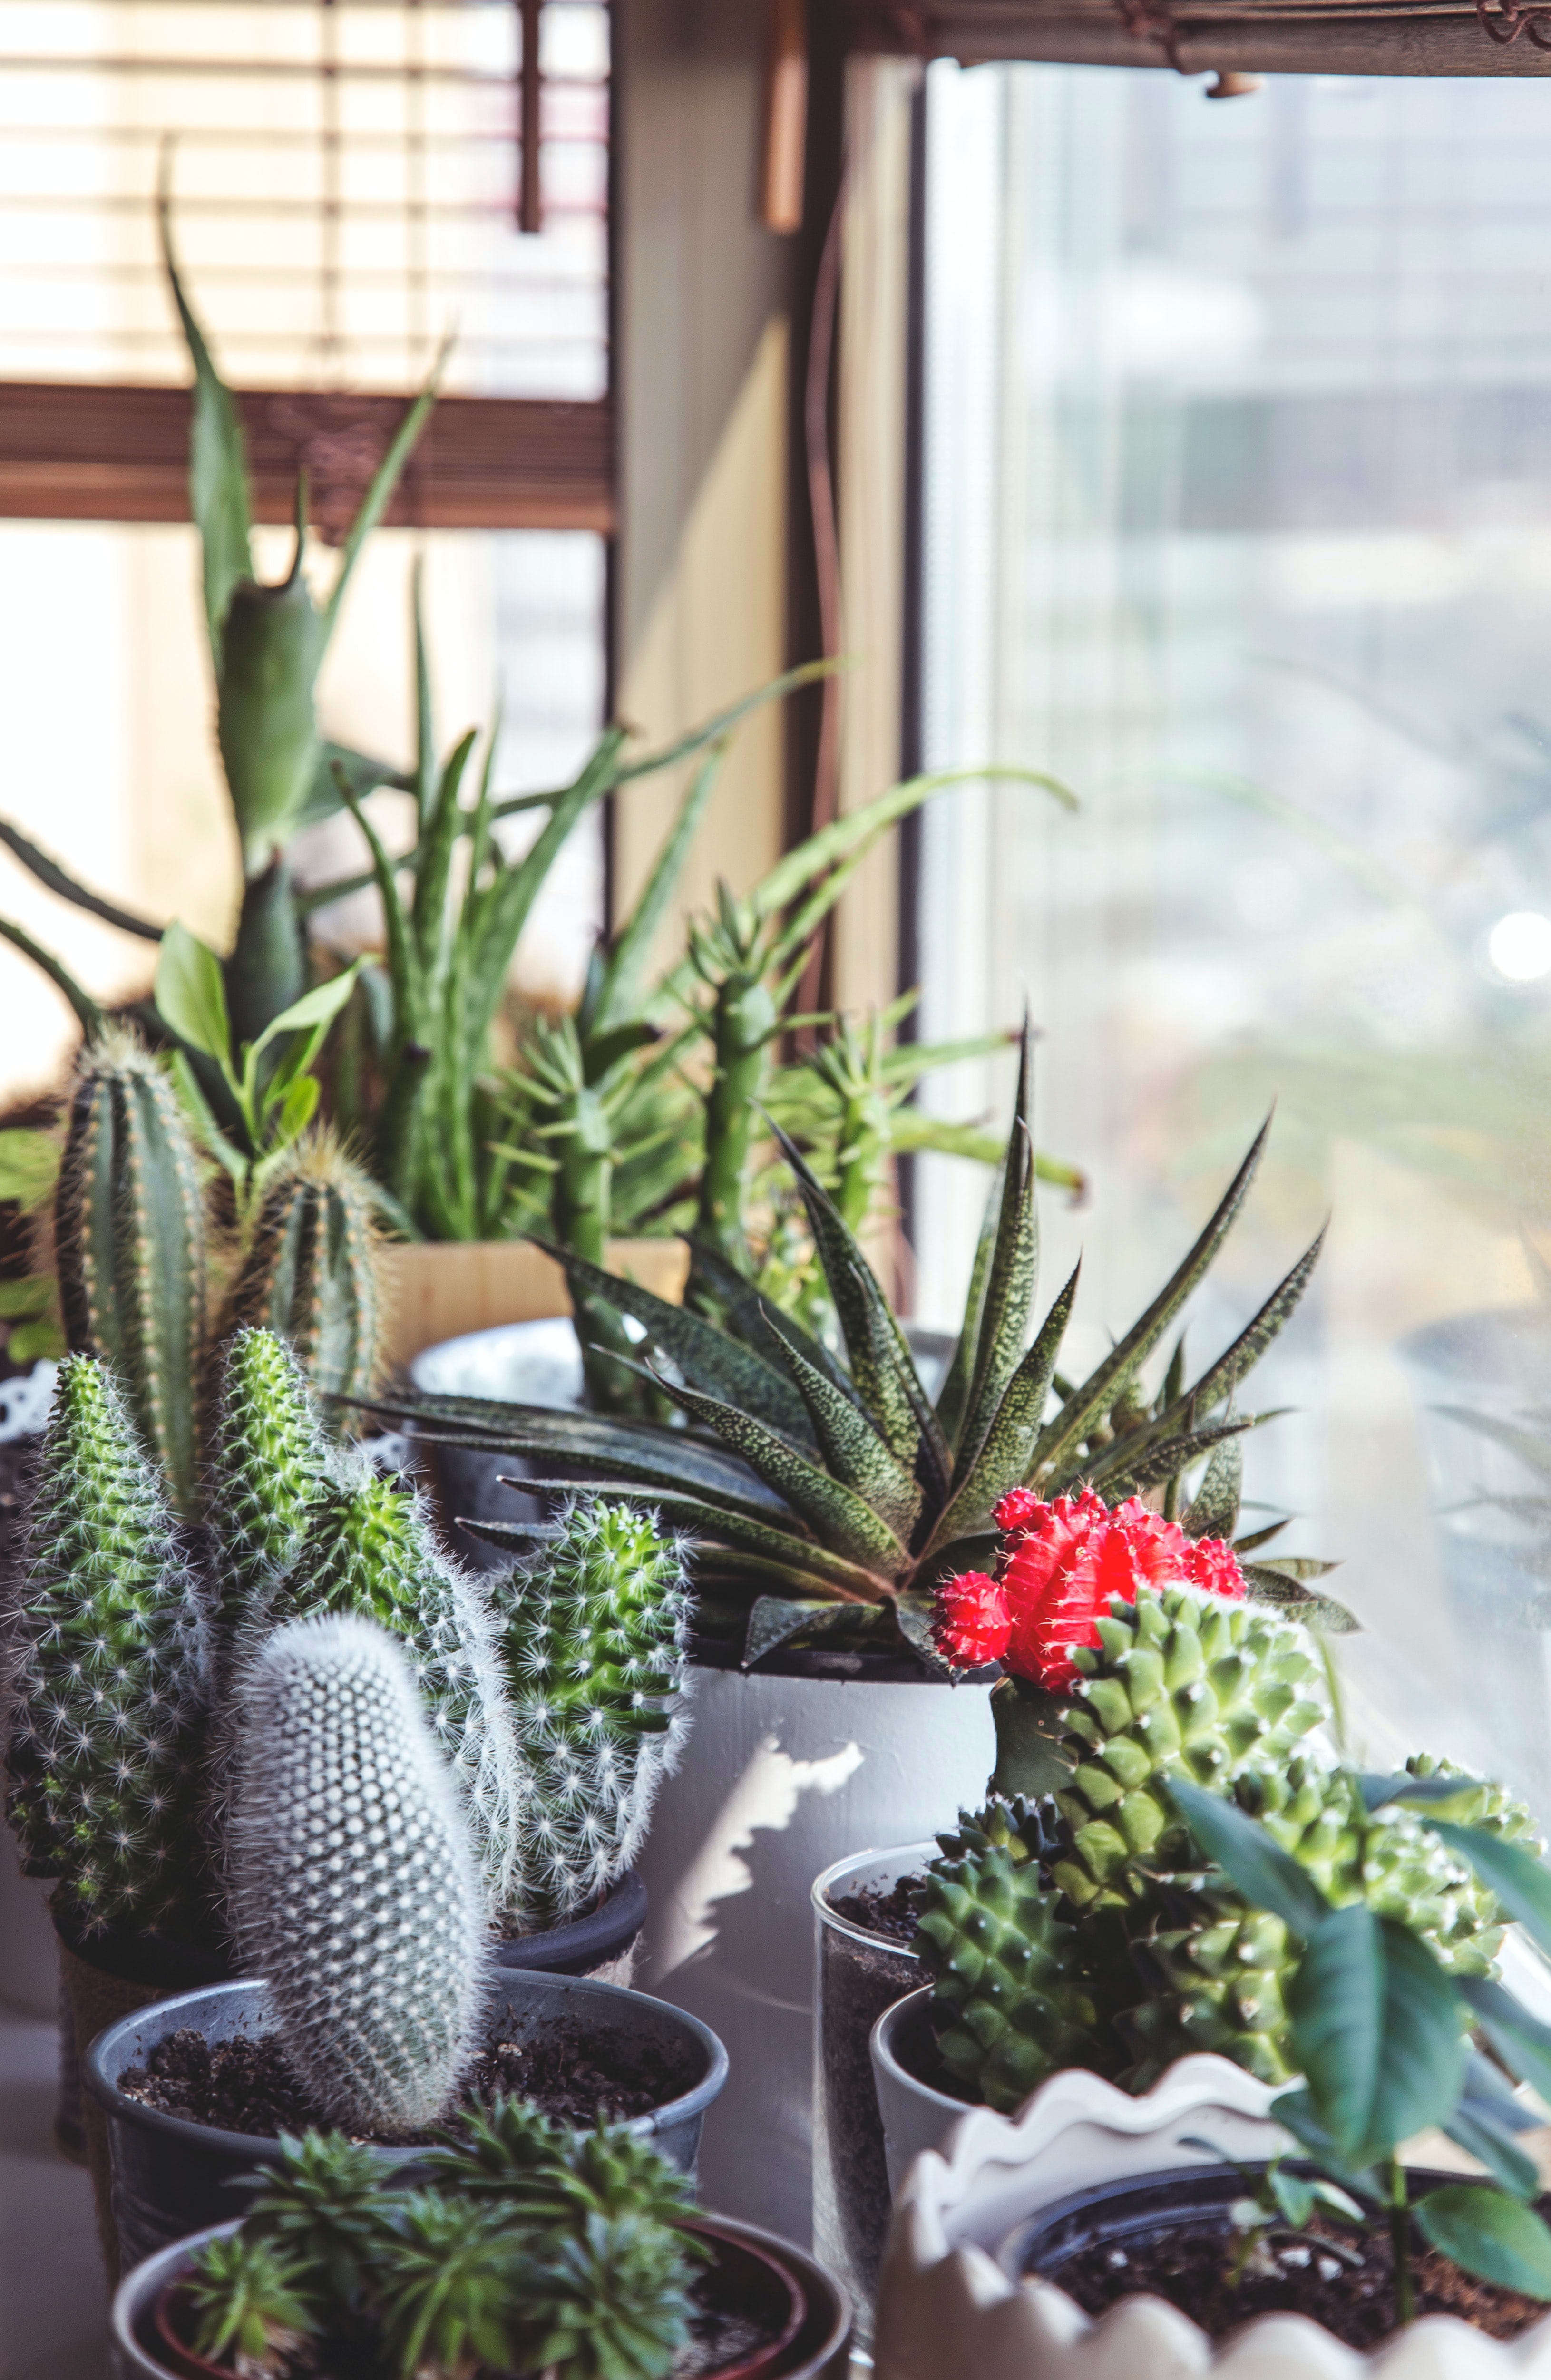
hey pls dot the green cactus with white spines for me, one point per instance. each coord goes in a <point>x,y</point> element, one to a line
<point>310,1273</point>
<point>594,1650</point>
<point>268,1460</point>
<point>356,1891</point>
<point>1180,1681</point>
<point>129,1244</point>
<point>369,1550</point>
<point>105,1675</point>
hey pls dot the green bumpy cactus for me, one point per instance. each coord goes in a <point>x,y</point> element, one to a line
<point>310,1273</point>
<point>594,1648</point>
<point>369,1550</point>
<point>356,1893</point>
<point>1184,1682</point>
<point>129,1245</point>
<point>105,1669</point>
<point>270,1461</point>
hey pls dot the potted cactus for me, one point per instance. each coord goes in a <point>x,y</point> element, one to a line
<point>827,1497</point>
<point>363,1871</point>
<point>1371,1987</point>
<point>520,2247</point>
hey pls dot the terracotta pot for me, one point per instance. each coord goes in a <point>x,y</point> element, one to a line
<point>434,1290</point>
<point>815,2344</point>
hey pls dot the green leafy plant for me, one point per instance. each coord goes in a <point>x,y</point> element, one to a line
<point>824,1493</point>
<point>251,2306</point>
<point>1380,2035</point>
<point>320,2204</point>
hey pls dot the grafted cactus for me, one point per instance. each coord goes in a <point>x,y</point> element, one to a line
<point>593,1645</point>
<point>129,1242</point>
<point>269,1462</point>
<point>105,1675</point>
<point>369,1550</point>
<point>355,1894</point>
<point>310,1274</point>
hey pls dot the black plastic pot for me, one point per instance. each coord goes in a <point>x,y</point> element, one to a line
<point>604,1936</point>
<point>171,2176</point>
<point>820,2350</point>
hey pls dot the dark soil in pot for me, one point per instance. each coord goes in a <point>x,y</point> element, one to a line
<point>245,2085</point>
<point>1170,2237</point>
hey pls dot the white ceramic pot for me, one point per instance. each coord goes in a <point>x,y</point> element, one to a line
<point>781,1776</point>
<point>947,2311</point>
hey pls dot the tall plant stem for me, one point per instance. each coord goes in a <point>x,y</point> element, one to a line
<point>1400,2244</point>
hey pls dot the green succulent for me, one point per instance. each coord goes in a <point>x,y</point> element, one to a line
<point>322,2202</point>
<point>443,2287</point>
<point>610,2302</point>
<point>826,1495</point>
<point>252,2304</point>
<point>544,2173</point>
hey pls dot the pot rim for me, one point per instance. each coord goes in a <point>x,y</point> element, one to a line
<point>813,2282</point>
<point>624,1905</point>
<point>880,2042</point>
<point>260,2146</point>
<point>831,1918</point>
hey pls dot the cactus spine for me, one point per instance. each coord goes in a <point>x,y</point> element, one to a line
<point>105,1674</point>
<point>270,1460</point>
<point>369,1549</point>
<point>355,1891</point>
<point>310,1273</point>
<point>129,1227</point>
<point>594,1646</point>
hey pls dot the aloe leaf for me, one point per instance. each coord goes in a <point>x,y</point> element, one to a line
<point>1088,1403</point>
<point>89,1014</point>
<point>219,495</point>
<point>853,1449</point>
<point>881,1364</point>
<point>707,1356</point>
<point>624,977</point>
<point>502,911</point>
<point>954,1392</point>
<point>384,479</point>
<point>836,1514</point>
<point>425,717</point>
<point>49,872</point>
<point>444,822</point>
<point>404,963</point>
<point>1001,1460</point>
<point>1014,1270</point>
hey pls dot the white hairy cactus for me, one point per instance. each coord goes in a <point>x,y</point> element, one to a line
<point>356,1893</point>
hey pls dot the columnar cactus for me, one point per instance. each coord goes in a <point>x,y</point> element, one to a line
<point>355,1894</point>
<point>594,1646</point>
<point>129,1243</point>
<point>270,1459</point>
<point>105,1674</point>
<point>369,1550</point>
<point>310,1273</point>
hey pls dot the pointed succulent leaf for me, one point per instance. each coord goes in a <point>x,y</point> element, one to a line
<point>915,1617</point>
<point>752,1316</point>
<point>1120,1472</point>
<point>1299,1603</point>
<point>774,1619</point>
<point>219,496</point>
<point>852,1448</point>
<point>1213,1511</point>
<point>623,980</point>
<point>1014,1270</point>
<point>1088,1405</point>
<point>714,1525</point>
<point>1004,1458</point>
<point>953,1394</point>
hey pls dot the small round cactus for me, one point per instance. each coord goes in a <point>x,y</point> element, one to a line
<point>105,1674</point>
<point>355,1894</point>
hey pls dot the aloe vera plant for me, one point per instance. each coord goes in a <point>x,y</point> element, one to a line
<point>823,1495</point>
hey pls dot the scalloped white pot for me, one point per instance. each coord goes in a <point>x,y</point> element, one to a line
<point>947,2311</point>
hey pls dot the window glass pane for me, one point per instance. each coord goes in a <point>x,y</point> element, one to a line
<point>1238,501</point>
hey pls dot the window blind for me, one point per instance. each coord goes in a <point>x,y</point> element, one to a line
<point>351,180</point>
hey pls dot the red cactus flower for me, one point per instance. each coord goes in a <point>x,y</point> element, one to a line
<point>1062,1566</point>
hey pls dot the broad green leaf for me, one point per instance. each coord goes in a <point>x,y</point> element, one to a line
<point>839,1517</point>
<point>202,1122</point>
<point>1520,2040</point>
<point>48,872</point>
<point>1488,2234</point>
<point>190,994</point>
<point>1087,1405</point>
<point>1003,1457</point>
<point>1521,1881</point>
<point>88,1014</point>
<point>1251,1858</point>
<point>219,497</point>
<point>1375,2028</point>
<point>29,1167</point>
<point>318,1007</point>
<point>1486,2122</point>
<point>297,1109</point>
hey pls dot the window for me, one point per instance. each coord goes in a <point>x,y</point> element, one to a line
<point>1236,516</point>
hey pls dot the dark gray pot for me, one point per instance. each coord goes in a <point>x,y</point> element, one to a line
<point>820,2351</point>
<point>171,2176</point>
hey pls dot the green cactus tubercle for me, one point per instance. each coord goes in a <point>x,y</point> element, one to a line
<point>106,1671</point>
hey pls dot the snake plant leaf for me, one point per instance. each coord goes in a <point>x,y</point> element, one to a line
<point>89,1015</point>
<point>219,496</point>
<point>1213,1511</point>
<point>881,1364</point>
<point>439,840</point>
<point>839,1516</point>
<point>1002,1460</point>
<point>1014,1270</point>
<point>953,1395</point>
<point>853,1449</point>
<point>1055,1451</point>
<point>58,880</point>
<point>707,1356</point>
<point>622,988</point>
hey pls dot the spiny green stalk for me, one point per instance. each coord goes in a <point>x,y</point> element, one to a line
<point>593,1645</point>
<point>370,1549</point>
<point>129,1244</point>
<point>310,1274</point>
<point>269,1462</point>
<point>105,1675</point>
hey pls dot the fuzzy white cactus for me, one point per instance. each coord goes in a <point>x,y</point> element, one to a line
<point>356,1893</point>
